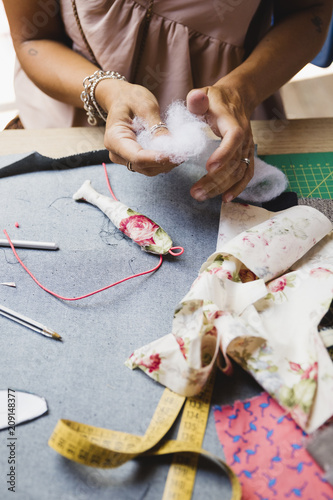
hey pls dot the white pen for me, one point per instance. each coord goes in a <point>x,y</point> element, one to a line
<point>38,245</point>
<point>29,323</point>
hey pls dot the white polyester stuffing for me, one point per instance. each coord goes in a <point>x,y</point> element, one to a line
<point>188,140</point>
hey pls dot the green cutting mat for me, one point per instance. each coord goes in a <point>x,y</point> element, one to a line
<point>310,174</point>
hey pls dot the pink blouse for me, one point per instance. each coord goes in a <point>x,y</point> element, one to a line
<point>189,44</point>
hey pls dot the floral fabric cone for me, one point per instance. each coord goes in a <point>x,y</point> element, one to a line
<point>259,300</point>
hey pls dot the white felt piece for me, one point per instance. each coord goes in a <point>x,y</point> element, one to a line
<point>25,407</point>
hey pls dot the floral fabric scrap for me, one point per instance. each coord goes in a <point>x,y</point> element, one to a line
<point>258,300</point>
<point>266,449</point>
<point>145,232</point>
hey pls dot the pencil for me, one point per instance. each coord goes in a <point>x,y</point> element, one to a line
<point>29,323</point>
<point>38,245</point>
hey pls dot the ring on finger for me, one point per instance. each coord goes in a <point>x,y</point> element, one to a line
<point>129,166</point>
<point>157,126</point>
<point>246,160</point>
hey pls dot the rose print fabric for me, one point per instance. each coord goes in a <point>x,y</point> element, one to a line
<point>145,232</point>
<point>266,449</point>
<point>258,300</point>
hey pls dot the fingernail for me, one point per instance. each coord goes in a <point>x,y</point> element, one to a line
<point>228,198</point>
<point>200,195</point>
<point>213,167</point>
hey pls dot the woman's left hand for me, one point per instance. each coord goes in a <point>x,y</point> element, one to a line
<point>227,171</point>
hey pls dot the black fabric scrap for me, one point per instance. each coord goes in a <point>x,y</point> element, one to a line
<point>36,162</point>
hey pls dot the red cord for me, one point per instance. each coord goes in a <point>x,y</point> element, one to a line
<point>171,251</point>
<point>108,182</point>
<point>83,296</point>
<point>175,254</point>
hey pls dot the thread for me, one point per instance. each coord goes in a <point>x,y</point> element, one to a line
<point>175,254</point>
<point>171,251</point>
<point>108,182</point>
<point>82,296</point>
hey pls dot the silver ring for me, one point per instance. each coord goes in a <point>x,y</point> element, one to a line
<point>129,166</point>
<point>246,160</point>
<point>157,126</point>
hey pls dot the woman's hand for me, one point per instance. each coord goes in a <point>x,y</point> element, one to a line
<point>124,101</point>
<point>227,173</point>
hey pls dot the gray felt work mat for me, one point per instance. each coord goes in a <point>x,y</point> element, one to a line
<point>84,378</point>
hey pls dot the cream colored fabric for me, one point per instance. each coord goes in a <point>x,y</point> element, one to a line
<point>258,300</point>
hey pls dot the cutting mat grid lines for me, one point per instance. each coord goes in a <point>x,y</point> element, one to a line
<point>310,175</point>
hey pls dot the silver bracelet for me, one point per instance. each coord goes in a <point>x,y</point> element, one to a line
<point>90,104</point>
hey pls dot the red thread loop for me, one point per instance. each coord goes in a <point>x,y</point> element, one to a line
<point>100,289</point>
<point>82,296</point>
<point>175,254</point>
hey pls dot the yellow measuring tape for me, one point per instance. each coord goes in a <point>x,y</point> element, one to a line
<point>105,448</point>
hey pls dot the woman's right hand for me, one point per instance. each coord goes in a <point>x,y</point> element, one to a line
<point>123,101</point>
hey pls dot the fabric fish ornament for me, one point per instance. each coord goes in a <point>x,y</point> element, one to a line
<point>145,232</point>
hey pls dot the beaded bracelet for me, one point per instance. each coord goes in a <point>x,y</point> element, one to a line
<point>90,104</point>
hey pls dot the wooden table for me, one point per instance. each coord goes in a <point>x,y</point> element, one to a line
<point>271,136</point>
